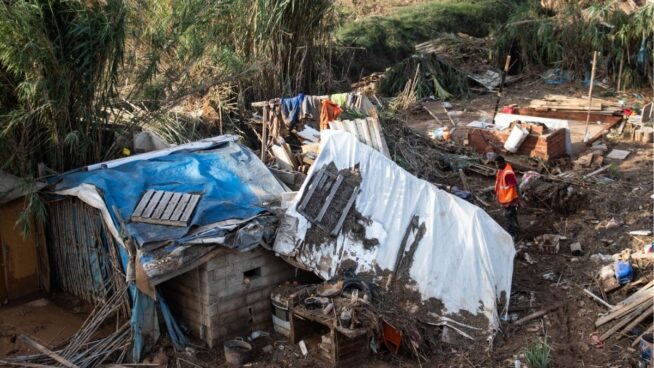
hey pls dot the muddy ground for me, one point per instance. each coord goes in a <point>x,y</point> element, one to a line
<point>550,280</point>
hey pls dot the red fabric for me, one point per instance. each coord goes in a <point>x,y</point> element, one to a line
<point>328,112</point>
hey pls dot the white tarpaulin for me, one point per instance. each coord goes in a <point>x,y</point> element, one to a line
<point>464,260</point>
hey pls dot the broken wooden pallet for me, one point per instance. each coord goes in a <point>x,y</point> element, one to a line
<point>165,208</point>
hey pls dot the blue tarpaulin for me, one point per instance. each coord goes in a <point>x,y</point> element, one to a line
<point>233,184</point>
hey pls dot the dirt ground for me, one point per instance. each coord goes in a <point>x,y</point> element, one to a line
<point>562,277</point>
<point>48,321</point>
<point>549,281</point>
<point>552,279</point>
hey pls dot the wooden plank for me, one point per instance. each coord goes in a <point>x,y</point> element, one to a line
<point>330,197</point>
<point>35,345</point>
<point>190,207</point>
<point>180,207</point>
<point>635,295</point>
<point>349,204</point>
<point>283,159</point>
<point>622,310</point>
<point>605,129</point>
<point>162,205</point>
<point>646,313</point>
<point>171,206</point>
<point>315,180</point>
<point>623,322</point>
<point>153,203</point>
<point>567,115</point>
<point>143,202</point>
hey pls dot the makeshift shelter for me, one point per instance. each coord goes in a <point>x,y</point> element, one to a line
<point>359,212</point>
<point>177,222</point>
<point>23,261</point>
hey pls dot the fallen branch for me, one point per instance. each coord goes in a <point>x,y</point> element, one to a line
<point>538,314</point>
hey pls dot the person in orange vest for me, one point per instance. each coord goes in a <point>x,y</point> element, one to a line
<point>506,192</point>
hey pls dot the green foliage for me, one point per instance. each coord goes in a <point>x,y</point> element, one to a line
<point>569,39</point>
<point>436,78</point>
<point>59,64</point>
<point>34,211</point>
<point>391,38</point>
<point>538,354</point>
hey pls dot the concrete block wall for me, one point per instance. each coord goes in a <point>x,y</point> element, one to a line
<point>229,296</point>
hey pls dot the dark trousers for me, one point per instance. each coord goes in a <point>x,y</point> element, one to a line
<point>511,215</point>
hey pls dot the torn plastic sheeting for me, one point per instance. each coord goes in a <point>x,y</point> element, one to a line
<point>464,258</point>
<point>164,263</point>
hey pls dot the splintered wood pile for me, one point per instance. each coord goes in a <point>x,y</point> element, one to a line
<point>629,313</point>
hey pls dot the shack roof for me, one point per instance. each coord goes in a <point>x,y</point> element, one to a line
<point>230,183</point>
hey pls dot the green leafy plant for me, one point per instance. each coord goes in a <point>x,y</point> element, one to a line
<point>537,355</point>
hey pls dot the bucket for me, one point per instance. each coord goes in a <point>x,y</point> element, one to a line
<point>517,136</point>
<point>646,345</point>
<point>237,352</point>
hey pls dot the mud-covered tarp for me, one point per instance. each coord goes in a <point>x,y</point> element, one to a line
<point>457,256</point>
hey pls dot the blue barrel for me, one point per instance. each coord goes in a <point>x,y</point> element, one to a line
<point>623,272</point>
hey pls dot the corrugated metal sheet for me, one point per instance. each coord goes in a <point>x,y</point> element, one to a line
<point>366,130</point>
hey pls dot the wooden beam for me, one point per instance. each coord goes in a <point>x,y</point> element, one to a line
<point>623,322</point>
<point>646,313</point>
<point>622,310</point>
<point>567,115</point>
<point>605,129</point>
<point>35,345</point>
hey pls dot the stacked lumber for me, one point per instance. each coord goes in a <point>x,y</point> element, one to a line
<point>565,103</point>
<point>629,313</point>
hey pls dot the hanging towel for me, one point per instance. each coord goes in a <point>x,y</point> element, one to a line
<point>340,99</point>
<point>291,109</point>
<point>328,112</point>
<point>311,108</point>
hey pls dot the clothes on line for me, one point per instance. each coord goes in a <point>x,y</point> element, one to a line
<point>291,109</point>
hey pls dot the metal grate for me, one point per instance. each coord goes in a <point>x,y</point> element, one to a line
<point>165,208</point>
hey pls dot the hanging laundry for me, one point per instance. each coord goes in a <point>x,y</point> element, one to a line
<point>328,112</point>
<point>291,109</point>
<point>311,108</point>
<point>340,99</point>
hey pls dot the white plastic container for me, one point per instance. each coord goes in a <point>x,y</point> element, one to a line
<point>517,136</point>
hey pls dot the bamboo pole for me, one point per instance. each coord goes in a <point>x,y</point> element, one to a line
<point>35,345</point>
<point>507,64</point>
<point>590,94</point>
<point>264,135</point>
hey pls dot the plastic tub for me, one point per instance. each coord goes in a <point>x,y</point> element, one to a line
<point>517,136</point>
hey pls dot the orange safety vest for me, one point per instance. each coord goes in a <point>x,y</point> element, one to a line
<point>506,194</point>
